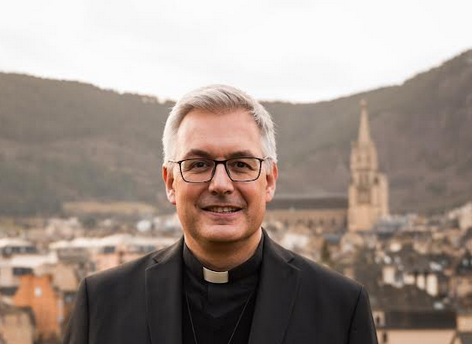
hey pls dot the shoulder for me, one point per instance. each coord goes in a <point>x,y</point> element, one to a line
<point>323,289</point>
<point>337,305</point>
<point>318,277</point>
<point>127,275</point>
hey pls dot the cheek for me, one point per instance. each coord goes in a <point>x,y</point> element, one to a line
<point>255,196</point>
<point>186,194</point>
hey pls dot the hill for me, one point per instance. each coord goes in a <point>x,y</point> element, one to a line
<point>63,141</point>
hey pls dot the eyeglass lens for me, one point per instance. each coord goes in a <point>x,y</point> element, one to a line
<point>239,169</point>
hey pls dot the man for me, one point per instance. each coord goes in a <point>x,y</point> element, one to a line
<point>226,281</point>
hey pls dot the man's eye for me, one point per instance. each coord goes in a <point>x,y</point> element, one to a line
<point>199,164</point>
<point>241,165</point>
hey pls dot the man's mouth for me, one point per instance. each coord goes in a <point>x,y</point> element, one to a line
<point>222,210</point>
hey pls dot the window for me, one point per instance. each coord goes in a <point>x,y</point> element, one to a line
<point>22,271</point>
<point>109,249</point>
<point>363,195</point>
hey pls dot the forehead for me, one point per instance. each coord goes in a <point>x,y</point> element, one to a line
<point>218,134</point>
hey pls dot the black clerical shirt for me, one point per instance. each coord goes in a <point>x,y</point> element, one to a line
<point>216,313</point>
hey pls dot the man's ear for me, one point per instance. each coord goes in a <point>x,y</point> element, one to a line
<point>168,177</point>
<point>271,180</point>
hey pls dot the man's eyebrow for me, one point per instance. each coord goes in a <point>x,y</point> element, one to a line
<point>239,154</point>
<point>197,153</point>
<point>204,154</point>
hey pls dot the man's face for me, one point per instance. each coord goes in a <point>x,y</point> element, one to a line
<point>219,136</point>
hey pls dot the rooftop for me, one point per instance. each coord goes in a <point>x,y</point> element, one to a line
<point>465,337</point>
<point>412,319</point>
<point>308,202</point>
<point>112,240</point>
<point>4,242</point>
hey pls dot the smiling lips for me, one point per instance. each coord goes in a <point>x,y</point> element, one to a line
<point>222,209</point>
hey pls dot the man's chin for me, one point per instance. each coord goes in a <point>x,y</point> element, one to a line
<point>224,233</point>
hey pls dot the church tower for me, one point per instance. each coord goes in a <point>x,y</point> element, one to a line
<point>368,188</point>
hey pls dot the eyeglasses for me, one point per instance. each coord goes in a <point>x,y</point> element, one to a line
<point>202,170</point>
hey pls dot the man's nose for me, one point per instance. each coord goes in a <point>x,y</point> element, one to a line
<point>221,183</point>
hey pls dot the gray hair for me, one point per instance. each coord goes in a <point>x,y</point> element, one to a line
<point>215,98</point>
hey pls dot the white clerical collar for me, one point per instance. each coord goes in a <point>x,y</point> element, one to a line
<point>218,277</point>
<point>249,267</point>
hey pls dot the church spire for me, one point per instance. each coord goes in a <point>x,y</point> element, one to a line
<point>368,188</point>
<point>364,130</point>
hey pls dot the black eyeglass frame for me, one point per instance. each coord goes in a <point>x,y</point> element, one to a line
<point>217,162</point>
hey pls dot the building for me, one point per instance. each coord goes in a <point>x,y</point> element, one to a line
<point>38,293</point>
<point>463,216</point>
<point>464,329</point>
<point>14,246</point>
<point>110,251</point>
<point>461,281</point>
<point>415,326</point>
<point>18,265</point>
<point>368,188</point>
<point>367,200</point>
<point>327,213</point>
<point>16,325</point>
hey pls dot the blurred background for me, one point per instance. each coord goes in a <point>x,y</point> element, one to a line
<point>373,107</point>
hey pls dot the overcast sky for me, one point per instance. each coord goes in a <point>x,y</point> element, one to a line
<point>297,50</point>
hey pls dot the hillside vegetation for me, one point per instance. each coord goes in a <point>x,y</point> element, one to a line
<point>63,141</point>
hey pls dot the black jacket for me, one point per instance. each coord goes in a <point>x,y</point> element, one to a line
<point>297,302</point>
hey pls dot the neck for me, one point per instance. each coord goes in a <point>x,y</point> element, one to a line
<point>223,256</point>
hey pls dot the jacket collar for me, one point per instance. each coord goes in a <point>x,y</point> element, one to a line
<point>164,296</point>
<point>276,295</point>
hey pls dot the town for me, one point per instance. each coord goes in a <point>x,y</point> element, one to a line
<point>416,268</point>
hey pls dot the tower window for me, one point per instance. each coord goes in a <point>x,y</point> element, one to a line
<point>363,195</point>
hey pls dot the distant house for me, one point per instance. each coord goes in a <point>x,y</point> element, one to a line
<point>415,326</point>
<point>462,338</point>
<point>16,325</point>
<point>464,328</point>
<point>12,246</point>
<point>66,281</point>
<point>16,259</point>
<point>110,251</point>
<point>38,293</point>
<point>407,267</point>
<point>463,215</point>
<point>464,321</point>
<point>17,265</point>
<point>461,282</point>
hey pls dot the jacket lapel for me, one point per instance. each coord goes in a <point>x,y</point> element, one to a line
<point>164,296</point>
<point>278,289</point>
